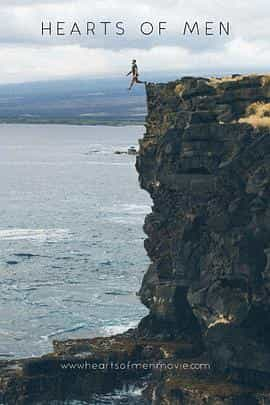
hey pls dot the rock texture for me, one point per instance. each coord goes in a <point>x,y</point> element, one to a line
<point>209,230</point>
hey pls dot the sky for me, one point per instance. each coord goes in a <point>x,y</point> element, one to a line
<point>26,55</point>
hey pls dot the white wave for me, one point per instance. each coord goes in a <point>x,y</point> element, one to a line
<point>130,214</point>
<point>134,208</point>
<point>94,162</point>
<point>116,329</point>
<point>126,220</point>
<point>7,333</point>
<point>131,389</point>
<point>35,234</point>
<point>131,209</point>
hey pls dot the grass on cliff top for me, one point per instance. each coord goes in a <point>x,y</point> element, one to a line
<point>257,115</point>
<point>179,89</point>
<point>265,81</point>
<point>215,81</point>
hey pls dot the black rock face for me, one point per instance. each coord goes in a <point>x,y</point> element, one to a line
<point>209,231</point>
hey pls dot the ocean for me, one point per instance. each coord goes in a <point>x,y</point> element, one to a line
<point>71,239</point>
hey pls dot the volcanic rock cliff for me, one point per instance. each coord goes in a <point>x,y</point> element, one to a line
<point>207,170</point>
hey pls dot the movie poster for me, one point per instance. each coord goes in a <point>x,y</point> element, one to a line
<point>134,202</point>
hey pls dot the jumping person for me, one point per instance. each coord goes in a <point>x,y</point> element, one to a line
<point>135,74</point>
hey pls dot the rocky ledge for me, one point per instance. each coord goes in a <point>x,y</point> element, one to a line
<point>205,160</point>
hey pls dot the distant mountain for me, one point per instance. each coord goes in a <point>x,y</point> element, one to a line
<point>73,101</point>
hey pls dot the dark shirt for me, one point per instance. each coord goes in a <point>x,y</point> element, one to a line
<point>134,69</point>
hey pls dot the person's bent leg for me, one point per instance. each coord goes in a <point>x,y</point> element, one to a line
<point>139,81</point>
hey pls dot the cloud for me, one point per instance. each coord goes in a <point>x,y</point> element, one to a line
<point>31,2</point>
<point>59,62</point>
<point>26,55</point>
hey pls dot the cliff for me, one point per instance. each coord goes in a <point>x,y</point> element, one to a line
<point>205,161</point>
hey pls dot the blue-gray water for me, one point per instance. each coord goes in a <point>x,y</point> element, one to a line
<point>71,239</point>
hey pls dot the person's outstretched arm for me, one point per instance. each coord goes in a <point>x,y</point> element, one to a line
<point>129,73</point>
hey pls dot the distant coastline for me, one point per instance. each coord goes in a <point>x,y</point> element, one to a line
<point>73,102</point>
<point>72,121</point>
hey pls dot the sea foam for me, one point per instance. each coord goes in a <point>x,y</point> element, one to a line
<point>54,234</point>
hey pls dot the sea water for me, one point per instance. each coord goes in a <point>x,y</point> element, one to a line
<point>71,239</point>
